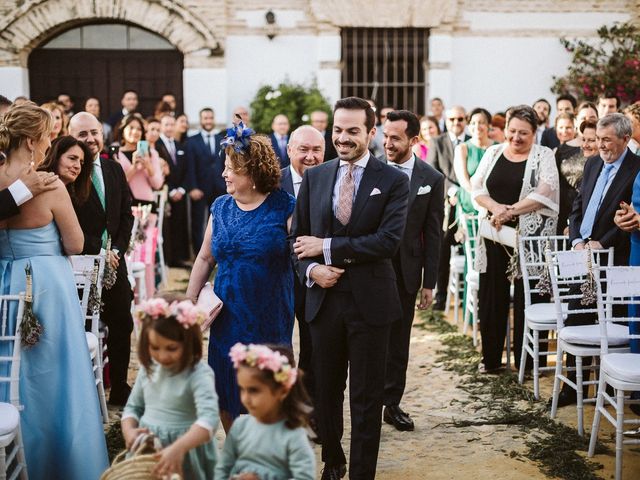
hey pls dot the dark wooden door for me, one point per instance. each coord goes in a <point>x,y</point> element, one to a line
<point>105,74</point>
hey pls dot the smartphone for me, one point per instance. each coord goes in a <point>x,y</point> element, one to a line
<point>113,150</point>
<point>143,147</point>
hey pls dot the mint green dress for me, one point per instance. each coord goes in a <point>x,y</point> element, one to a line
<point>271,451</point>
<point>465,205</point>
<point>168,404</point>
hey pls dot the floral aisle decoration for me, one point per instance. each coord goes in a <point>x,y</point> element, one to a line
<point>30,328</point>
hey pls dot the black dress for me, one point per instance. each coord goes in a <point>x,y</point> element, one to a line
<point>504,185</point>
<point>570,163</point>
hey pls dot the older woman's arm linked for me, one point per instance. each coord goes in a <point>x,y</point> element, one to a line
<point>202,267</point>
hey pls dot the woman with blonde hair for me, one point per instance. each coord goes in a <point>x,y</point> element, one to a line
<point>57,386</point>
<point>60,120</point>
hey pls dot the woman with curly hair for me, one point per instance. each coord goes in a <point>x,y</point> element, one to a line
<point>247,238</point>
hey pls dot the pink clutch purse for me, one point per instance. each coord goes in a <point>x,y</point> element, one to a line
<point>209,302</point>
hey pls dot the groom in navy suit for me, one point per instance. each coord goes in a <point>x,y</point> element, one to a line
<point>348,223</point>
<point>306,150</point>
<point>204,174</point>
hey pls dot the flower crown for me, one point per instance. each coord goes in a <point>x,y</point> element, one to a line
<point>185,312</point>
<point>265,359</point>
<point>238,137</point>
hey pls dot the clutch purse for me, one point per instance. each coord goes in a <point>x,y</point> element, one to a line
<point>507,236</point>
<point>209,302</point>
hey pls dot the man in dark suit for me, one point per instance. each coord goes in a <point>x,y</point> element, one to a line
<point>129,104</point>
<point>320,121</point>
<point>542,108</point>
<point>107,213</point>
<point>416,263</point>
<point>608,180</point>
<point>176,226</point>
<point>30,184</point>
<point>204,174</point>
<point>306,150</point>
<point>349,219</point>
<point>280,138</point>
<point>440,157</point>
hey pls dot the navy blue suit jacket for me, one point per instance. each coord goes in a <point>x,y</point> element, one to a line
<point>8,207</point>
<point>204,169</point>
<point>283,157</point>
<point>177,171</point>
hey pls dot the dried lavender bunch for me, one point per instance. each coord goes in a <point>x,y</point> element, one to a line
<point>110,273</point>
<point>30,328</point>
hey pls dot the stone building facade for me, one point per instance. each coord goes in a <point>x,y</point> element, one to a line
<point>479,52</point>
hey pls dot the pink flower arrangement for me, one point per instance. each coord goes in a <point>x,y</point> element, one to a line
<point>185,312</point>
<point>264,358</point>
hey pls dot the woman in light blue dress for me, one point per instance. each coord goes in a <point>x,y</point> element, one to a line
<point>61,422</point>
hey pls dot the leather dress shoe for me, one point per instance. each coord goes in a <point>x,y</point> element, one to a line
<point>439,305</point>
<point>334,473</point>
<point>394,415</point>
<point>567,397</point>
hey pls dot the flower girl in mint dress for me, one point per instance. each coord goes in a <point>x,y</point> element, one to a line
<point>174,395</point>
<point>270,443</point>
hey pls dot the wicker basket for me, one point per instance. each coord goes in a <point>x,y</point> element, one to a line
<point>139,464</point>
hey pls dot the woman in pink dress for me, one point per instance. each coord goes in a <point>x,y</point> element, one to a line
<point>143,169</point>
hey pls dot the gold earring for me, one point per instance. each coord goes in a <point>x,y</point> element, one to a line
<point>32,158</point>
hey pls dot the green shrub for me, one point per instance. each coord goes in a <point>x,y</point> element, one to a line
<point>293,100</point>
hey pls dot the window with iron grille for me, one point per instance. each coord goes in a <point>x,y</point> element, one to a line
<point>387,65</point>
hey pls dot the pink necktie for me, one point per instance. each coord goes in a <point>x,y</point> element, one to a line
<point>345,197</point>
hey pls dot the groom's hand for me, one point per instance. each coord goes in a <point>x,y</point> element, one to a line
<point>308,247</point>
<point>325,276</point>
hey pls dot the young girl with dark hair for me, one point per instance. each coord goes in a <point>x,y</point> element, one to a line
<point>174,395</point>
<point>271,442</point>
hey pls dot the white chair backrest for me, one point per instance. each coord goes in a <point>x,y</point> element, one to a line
<point>618,286</point>
<point>568,271</point>
<point>533,262</point>
<point>469,224</point>
<point>89,270</point>
<point>11,311</point>
<point>160,198</point>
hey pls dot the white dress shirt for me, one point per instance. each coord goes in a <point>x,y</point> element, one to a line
<point>296,180</point>
<point>406,167</point>
<point>20,193</point>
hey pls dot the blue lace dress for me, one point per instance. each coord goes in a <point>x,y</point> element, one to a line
<point>255,282</point>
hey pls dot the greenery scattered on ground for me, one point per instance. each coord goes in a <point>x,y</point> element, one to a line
<point>115,441</point>
<point>501,400</point>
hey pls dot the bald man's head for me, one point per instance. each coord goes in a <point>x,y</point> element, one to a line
<point>305,148</point>
<point>87,128</point>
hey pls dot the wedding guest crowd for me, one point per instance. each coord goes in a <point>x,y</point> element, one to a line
<point>346,224</point>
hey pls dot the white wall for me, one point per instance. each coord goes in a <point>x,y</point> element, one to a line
<point>506,58</point>
<point>254,61</point>
<point>205,87</point>
<point>14,82</point>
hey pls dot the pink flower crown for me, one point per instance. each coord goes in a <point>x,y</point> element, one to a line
<point>264,358</point>
<point>185,312</point>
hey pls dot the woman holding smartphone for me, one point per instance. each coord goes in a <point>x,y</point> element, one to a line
<point>143,169</point>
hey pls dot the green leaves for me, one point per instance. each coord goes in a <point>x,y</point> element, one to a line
<point>296,101</point>
<point>608,64</point>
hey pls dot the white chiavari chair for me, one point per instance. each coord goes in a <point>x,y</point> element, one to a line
<point>88,271</point>
<point>619,369</point>
<point>12,460</point>
<point>540,316</point>
<point>568,271</point>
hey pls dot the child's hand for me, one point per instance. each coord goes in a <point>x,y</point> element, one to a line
<point>246,476</point>
<point>171,459</point>
<point>130,435</point>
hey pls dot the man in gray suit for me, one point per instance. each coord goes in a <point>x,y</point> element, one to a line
<point>416,262</point>
<point>440,157</point>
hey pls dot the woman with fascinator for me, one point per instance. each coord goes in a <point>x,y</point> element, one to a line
<point>247,238</point>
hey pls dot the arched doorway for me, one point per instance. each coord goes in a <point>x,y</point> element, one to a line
<point>103,60</point>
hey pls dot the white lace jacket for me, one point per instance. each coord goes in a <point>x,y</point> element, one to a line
<point>540,183</point>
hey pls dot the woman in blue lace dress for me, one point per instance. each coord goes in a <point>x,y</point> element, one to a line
<point>247,239</point>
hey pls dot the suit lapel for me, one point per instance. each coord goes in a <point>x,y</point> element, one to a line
<point>618,183</point>
<point>589,184</point>
<point>326,198</point>
<point>108,183</point>
<point>369,180</point>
